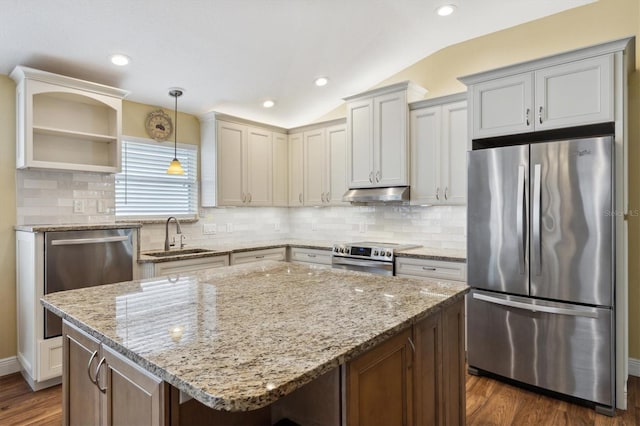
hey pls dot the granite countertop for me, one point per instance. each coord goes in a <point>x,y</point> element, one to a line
<point>449,255</point>
<point>446,255</point>
<point>241,337</point>
<point>75,227</point>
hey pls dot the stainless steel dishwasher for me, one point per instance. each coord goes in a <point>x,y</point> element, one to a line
<point>78,259</point>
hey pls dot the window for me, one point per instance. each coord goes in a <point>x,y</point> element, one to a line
<point>144,190</point>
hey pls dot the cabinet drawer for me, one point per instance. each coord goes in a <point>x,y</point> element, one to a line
<point>409,267</point>
<point>181,266</point>
<point>49,358</point>
<point>303,255</point>
<point>258,255</point>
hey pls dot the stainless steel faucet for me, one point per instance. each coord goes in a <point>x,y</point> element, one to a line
<point>166,232</point>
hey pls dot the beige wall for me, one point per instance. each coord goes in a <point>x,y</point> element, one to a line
<point>592,24</point>
<point>8,217</point>
<point>134,116</point>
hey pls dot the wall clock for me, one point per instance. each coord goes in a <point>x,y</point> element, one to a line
<point>159,125</point>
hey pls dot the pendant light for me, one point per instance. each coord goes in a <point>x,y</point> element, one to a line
<point>175,168</point>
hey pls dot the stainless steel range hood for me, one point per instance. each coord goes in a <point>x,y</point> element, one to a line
<point>391,195</point>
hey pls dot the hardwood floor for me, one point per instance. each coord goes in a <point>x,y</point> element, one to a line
<point>489,402</point>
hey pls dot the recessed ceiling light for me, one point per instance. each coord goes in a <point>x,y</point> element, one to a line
<point>120,59</point>
<point>268,103</point>
<point>321,81</point>
<point>446,9</point>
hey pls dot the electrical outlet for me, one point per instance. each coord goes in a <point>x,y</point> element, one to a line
<point>78,206</point>
<point>229,227</point>
<point>209,228</point>
<point>276,226</point>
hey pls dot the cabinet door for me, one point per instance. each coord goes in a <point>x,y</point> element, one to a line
<point>379,384</point>
<point>576,93</point>
<point>453,362</point>
<point>360,143</point>
<point>296,170</point>
<point>314,167</point>
<point>503,106</point>
<point>429,402</point>
<point>80,396</point>
<point>390,139</point>
<point>336,144</point>
<point>426,129</point>
<point>259,167</point>
<point>133,396</point>
<point>231,147</point>
<point>280,170</point>
<point>453,153</point>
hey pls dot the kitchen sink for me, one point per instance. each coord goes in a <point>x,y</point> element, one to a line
<point>177,252</point>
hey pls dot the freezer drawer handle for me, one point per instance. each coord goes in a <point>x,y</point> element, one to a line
<point>89,241</point>
<point>576,312</point>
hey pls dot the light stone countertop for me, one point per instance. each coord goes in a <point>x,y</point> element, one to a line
<point>76,227</point>
<point>240,338</point>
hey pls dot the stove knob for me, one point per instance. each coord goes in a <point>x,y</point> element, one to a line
<point>375,252</point>
<point>388,254</point>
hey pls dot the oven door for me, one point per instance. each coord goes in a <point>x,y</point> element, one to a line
<point>362,265</point>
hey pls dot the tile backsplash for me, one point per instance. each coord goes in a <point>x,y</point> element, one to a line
<point>60,197</point>
<point>57,197</point>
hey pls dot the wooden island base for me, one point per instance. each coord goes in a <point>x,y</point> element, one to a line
<point>413,378</point>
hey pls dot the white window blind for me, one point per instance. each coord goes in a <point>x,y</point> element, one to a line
<point>145,190</point>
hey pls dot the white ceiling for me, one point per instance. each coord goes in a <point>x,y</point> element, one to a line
<point>230,55</point>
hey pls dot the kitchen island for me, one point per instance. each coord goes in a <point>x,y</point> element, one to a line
<point>254,343</point>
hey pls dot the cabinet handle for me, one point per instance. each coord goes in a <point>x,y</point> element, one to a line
<point>244,198</point>
<point>328,197</point>
<point>260,257</point>
<point>371,177</point>
<point>250,197</point>
<point>323,198</point>
<point>413,347</point>
<point>426,268</point>
<point>446,191</point>
<point>527,116</point>
<point>93,355</point>
<point>311,255</point>
<point>378,176</point>
<point>438,193</point>
<point>540,115</point>
<point>300,197</point>
<point>100,364</point>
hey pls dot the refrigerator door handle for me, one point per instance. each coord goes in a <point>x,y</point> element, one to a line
<point>573,311</point>
<point>537,244</point>
<point>520,217</point>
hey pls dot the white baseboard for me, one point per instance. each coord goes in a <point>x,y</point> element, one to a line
<point>9,366</point>
<point>634,367</point>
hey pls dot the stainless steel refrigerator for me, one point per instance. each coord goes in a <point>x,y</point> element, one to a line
<point>540,251</point>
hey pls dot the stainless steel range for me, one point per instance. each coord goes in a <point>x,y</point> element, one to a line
<point>373,257</point>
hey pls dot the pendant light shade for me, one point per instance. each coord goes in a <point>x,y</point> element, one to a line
<point>175,168</point>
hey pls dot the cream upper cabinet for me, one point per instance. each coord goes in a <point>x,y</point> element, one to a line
<point>314,167</point>
<point>237,164</point>
<point>377,136</point>
<point>296,170</point>
<point>438,151</point>
<point>259,168</point>
<point>66,124</point>
<point>575,92</point>
<point>280,169</point>
<point>503,106</point>
<point>336,181</point>
<point>231,141</point>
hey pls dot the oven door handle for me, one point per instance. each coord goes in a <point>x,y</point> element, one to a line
<point>357,262</point>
